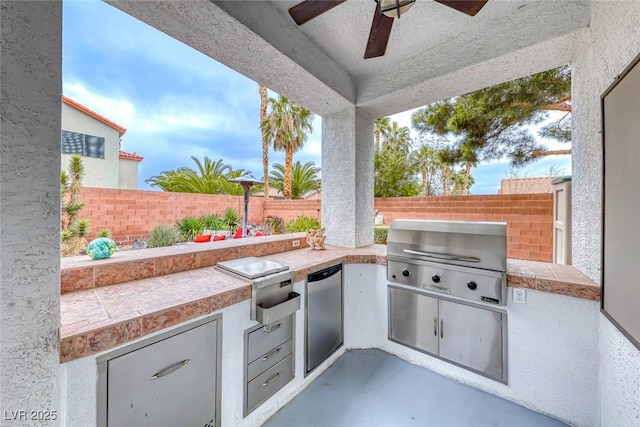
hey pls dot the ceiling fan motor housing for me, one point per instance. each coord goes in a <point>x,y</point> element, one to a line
<point>395,8</point>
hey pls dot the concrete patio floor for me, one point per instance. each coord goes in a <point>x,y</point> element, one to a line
<point>373,388</point>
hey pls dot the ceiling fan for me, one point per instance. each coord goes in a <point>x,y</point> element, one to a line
<point>386,11</point>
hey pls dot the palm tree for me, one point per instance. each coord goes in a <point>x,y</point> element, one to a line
<point>286,127</point>
<point>305,178</point>
<point>265,141</point>
<point>209,178</point>
<point>469,156</point>
<point>381,126</point>
<point>425,160</point>
<point>398,138</point>
<point>447,157</point>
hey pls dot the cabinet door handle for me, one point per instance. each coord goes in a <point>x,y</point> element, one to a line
<point>441,328</point>
<point>268,328</point>
<point>271,353</point>
<point>435,326</point>
<point>272,379</point>
<point>170,369</point>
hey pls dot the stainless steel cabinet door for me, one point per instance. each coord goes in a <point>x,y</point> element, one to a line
<point>413,320</point>
<point>471,337</point>
<point>170,383</point>
<point>324,317</point>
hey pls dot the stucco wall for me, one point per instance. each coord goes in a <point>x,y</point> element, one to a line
<point>552,347</point>
<point>128,174</point>
<point>98,172</point>
<point>611,42</point>
<point>31,52</point>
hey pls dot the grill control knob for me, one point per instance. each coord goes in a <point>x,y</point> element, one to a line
<point>405,273</point>
<point>435,278</point>
<point>472,285</point>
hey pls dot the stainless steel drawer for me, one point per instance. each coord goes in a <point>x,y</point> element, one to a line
<point>169,383</point>
<point>269,382</point>
<point>268,337</point>
<point>269,359</point>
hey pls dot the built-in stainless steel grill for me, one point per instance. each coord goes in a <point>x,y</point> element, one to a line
<point>461,259</point>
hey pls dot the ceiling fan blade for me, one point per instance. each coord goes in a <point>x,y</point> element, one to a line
<point>309,9</point>
<point>470,7</point>
<point>379,35</point>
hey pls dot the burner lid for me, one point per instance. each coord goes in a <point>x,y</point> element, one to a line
<point>252,267</point>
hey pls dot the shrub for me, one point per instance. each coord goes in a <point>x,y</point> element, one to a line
<point>301,223</point>
<point>231,219</point>
<point>190,227</point>
<point>380,234</point>
<point>104,232</point>
<point>73,230</point>
<point>164,235</point>
<point>212,222</point>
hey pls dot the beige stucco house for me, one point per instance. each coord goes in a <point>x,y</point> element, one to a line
<point>97,140</point>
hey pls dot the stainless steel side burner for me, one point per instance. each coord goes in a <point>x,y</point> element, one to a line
<point>272,296</point>
<point>251,267</point>
<point>462,259</point>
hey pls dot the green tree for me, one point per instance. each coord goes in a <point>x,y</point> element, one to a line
<point>493,122</point>
<point>381,127</point>
<point>209,177</point>
<point>398,138</point>
<point>426,163</point>
<point>461,183</point>
<point>305,178</point>
<point>394,174</point>
<point>286,127</point>
<point>447,157</point>
<point>73,229</point>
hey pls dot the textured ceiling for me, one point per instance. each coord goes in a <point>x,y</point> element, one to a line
<point>434,51</point>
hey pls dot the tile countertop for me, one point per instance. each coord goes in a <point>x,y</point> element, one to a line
<point>97,319</point>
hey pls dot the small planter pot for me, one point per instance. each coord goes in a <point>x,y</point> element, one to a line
<point>201,238</point>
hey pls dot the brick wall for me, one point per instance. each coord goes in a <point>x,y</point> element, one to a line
<point>529,217</point>
<point>290,209</point>
<point>131,214</point>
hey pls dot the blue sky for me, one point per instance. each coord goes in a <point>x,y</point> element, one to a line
<point>176,102</point>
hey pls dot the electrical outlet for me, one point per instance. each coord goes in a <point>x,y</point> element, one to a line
<point>519,295</point>
<point>296,243</point>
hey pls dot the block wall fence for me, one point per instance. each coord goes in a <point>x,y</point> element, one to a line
<point>131,214</point>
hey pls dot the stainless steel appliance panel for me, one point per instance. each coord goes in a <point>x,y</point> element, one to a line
<point>268,383</point>
<point>169,383</point>
<point>267,360</point>
<point>472,337</point>
<point>324,321</point>
<point>268,337</point>
<point>251,267</point>
<point>413,320</point>
<point>472,244</point>
<point>463,282</point>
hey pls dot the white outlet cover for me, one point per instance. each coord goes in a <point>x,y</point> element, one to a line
<point>519,295</point>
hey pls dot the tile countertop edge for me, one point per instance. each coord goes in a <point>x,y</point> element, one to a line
<point>88,340</point>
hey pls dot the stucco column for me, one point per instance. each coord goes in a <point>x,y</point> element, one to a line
<point>31,89</point>
<point>347,178</point>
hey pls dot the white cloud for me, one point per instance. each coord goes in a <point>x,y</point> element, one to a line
<point>115,108</point>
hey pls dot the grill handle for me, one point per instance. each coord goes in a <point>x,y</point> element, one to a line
<point>442,256</point>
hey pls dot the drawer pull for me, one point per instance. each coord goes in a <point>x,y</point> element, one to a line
<point>268,328</point>
<point>170,369</point>
<point>271,379</point>
<point>271,353</point>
